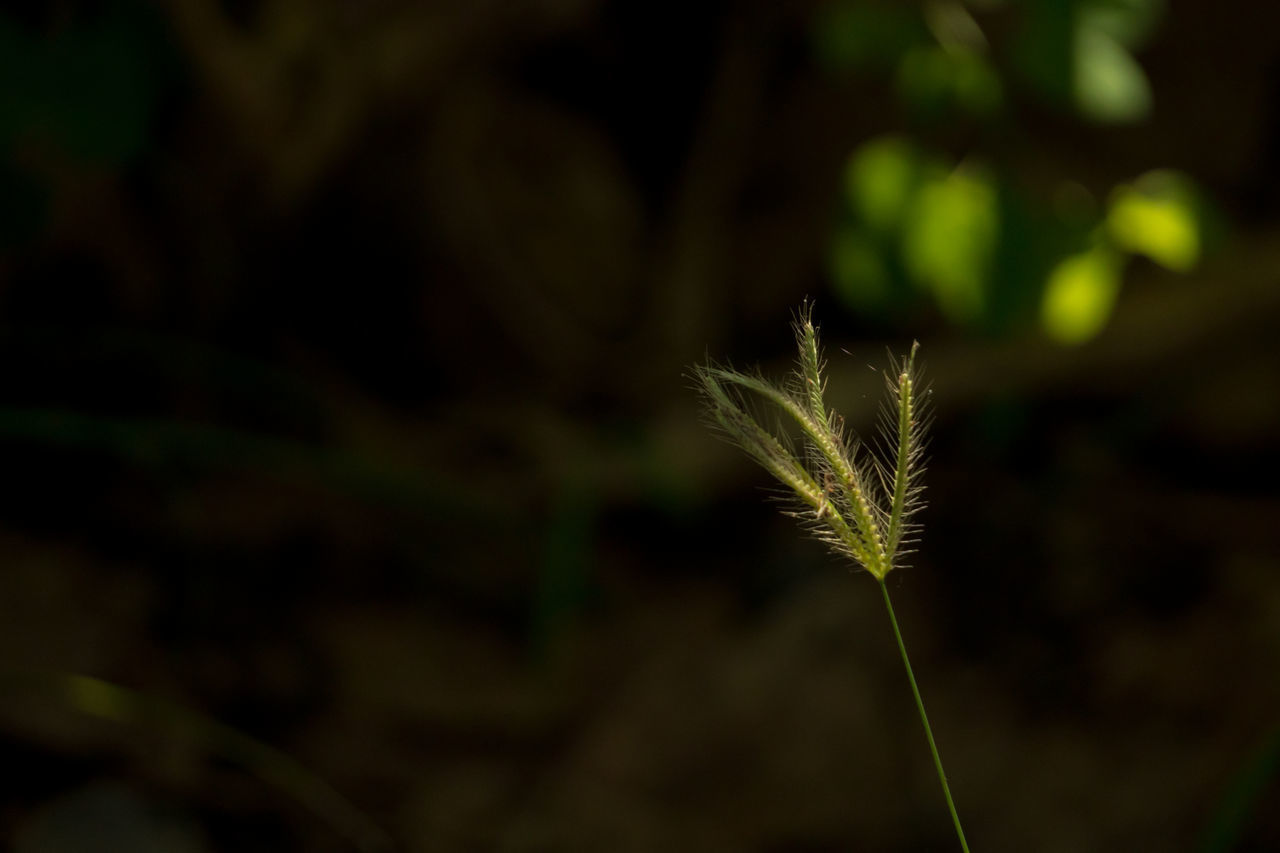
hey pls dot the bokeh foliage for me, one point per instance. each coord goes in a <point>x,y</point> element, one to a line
<point>962,224</point>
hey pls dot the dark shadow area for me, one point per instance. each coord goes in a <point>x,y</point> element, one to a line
<point>354,492</point>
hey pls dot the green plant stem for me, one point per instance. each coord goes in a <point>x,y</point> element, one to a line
<point>924,718</point>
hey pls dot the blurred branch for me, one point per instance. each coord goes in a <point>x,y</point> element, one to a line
<point>549,218</point>
<point>168,443</point>
<point>1213,314</point>
<point>694,248</point>
<point>303,84</point>
<point>107,701</point>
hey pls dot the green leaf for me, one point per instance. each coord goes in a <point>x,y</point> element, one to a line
<point>858,34</point>
<point>1108,84</point>
<point>950,238</point>
<point>880,179</point>
<point>1080,294</point>
<point>1156,217</point>
<point>1130,22</point>
<point>932,80</point>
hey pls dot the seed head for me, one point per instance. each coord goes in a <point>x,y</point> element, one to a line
<point>860,508</point>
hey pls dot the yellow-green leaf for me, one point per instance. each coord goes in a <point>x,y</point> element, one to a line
<point>1156,217</point>
<point>1080,294</point>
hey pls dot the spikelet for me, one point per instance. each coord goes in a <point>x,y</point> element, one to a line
<point>905,417</point>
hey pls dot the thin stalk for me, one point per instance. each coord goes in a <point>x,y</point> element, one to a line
<point>924,718</point>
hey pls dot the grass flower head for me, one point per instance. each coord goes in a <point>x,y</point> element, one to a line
<point>860,499</point>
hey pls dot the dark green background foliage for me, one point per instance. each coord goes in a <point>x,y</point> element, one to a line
<point>354,488</point>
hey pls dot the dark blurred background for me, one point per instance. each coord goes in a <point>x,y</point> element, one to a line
<point>353,494</point>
